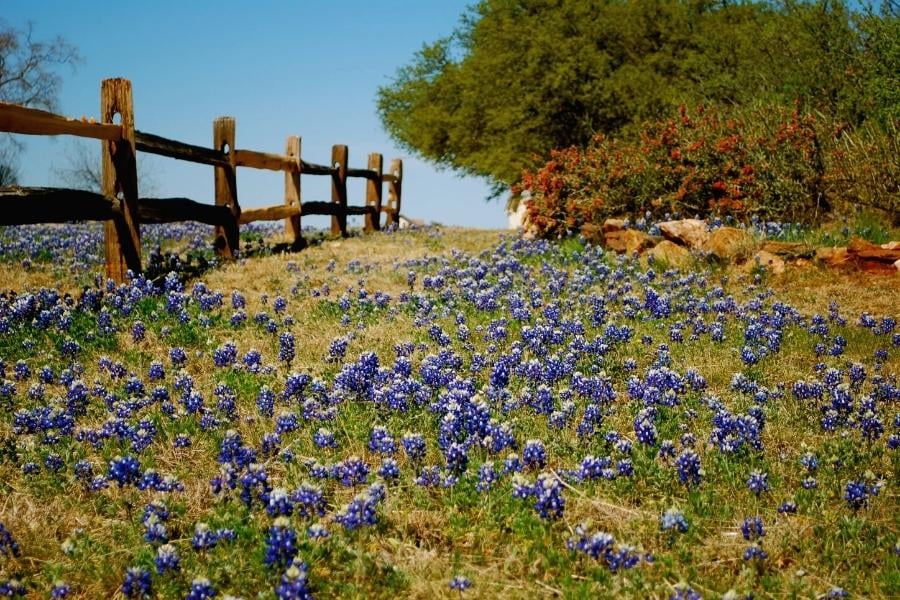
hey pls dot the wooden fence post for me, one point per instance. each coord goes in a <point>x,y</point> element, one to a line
<point>292,191</point>
<point>339,188</point>
<point>395,192</point>
<point>227,238</point>
<point>119,172</point>
<point>374,193</point>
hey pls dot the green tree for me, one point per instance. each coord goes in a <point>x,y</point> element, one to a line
<point>520,77</point>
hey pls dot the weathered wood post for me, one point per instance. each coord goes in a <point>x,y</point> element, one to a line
<point>395,189</point>
<point>374,193</point>
<point>292,191</point>
<point>227,240</point>
<point>119,172</point>
<point>339,188</point>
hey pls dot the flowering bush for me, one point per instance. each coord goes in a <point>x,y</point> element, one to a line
<point>768,163</point>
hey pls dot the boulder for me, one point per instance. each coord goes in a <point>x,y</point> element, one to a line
<point>669,253</point>
<point>871,257</point>
<point>613,225</point>
<point>686,232</point>
<point>728,243</point>
<point>789,249</point>
<point>628,240</point>
<point>833,257</point>
<point>774,263</point>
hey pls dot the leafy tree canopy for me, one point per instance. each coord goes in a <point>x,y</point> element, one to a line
<point>520,77</point>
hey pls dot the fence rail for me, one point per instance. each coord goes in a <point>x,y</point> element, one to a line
<point>122,210</point>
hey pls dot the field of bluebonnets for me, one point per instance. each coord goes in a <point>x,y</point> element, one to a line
<point>441,413</point>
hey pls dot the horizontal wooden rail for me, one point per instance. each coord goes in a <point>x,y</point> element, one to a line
<point>154,144</point>
<point>172,210</point>
<point>334,209</point>
<point>25,206</point>
<point>269,213</point>
<point>32,121</point>
<point>263,160</point>
<point>363,173</point>
<point>314,169</point>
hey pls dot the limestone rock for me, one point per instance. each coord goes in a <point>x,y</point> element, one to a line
<point>729,243</point>
<point>613,225</point>
<point>670,253</point>
<point>789,249</point>
<point>628,240</point>
<point>686,232</point>
<point>833,256</point>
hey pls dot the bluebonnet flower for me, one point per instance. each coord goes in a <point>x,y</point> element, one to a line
<point>8,545</point>
<point>673,519</point>
<point>317,531</point>
<point>124,470</point>
<point>225,355</point>
<point>688,465</point>
<point>856,494</point>
<point>294,583</point>
<point>752,528</point>
<point>758,482</point>
<point>286,347</point>
<point>457,458</point>
<point>278,503</point>
<point>201,589</point>
<point>205,538</point>
<point>167,559</point>
<point>177,356</point>
<point>362,509</point>
<point>309,501</point>
<point>460,583</point>
<point>137,583</point>
<point>281,543</point>
<point>685,592</point>
<point>487,476</point>
<point>324,438</point>
<point>413,445</point>
<point>788,507</point>
<point>381,441</point>
<point>351,471</point>
<point>534,454</point>
<point>549,501</point>
<point>389,469</point>
<point>60,590</point>
<point>755,552</point>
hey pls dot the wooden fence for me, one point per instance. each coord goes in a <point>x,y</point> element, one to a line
<point>123,210</point>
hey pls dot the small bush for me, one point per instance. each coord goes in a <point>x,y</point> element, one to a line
<point>775,164</point>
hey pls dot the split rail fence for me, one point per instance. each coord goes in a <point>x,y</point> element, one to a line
<point>123,210</point>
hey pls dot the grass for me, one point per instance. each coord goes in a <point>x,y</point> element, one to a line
<point>426,535</point>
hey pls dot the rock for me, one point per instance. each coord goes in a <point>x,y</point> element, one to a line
<point>729,243</point>
<point>516,218</point>
<point>669,253</point>
<point>789,249</point>
<point>871,257</point>
<point>613,225</point>
<point>833,257</point>
<point>686,232</point>
<point>897,266</point>
<point>592,233</point>
<point>628,240</point>
<point>891,246</point>
<point>772,262</point>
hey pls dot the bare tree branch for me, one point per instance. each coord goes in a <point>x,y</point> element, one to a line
<point>28,76</point>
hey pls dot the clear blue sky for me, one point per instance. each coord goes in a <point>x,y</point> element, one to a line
<point>309,68</point>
